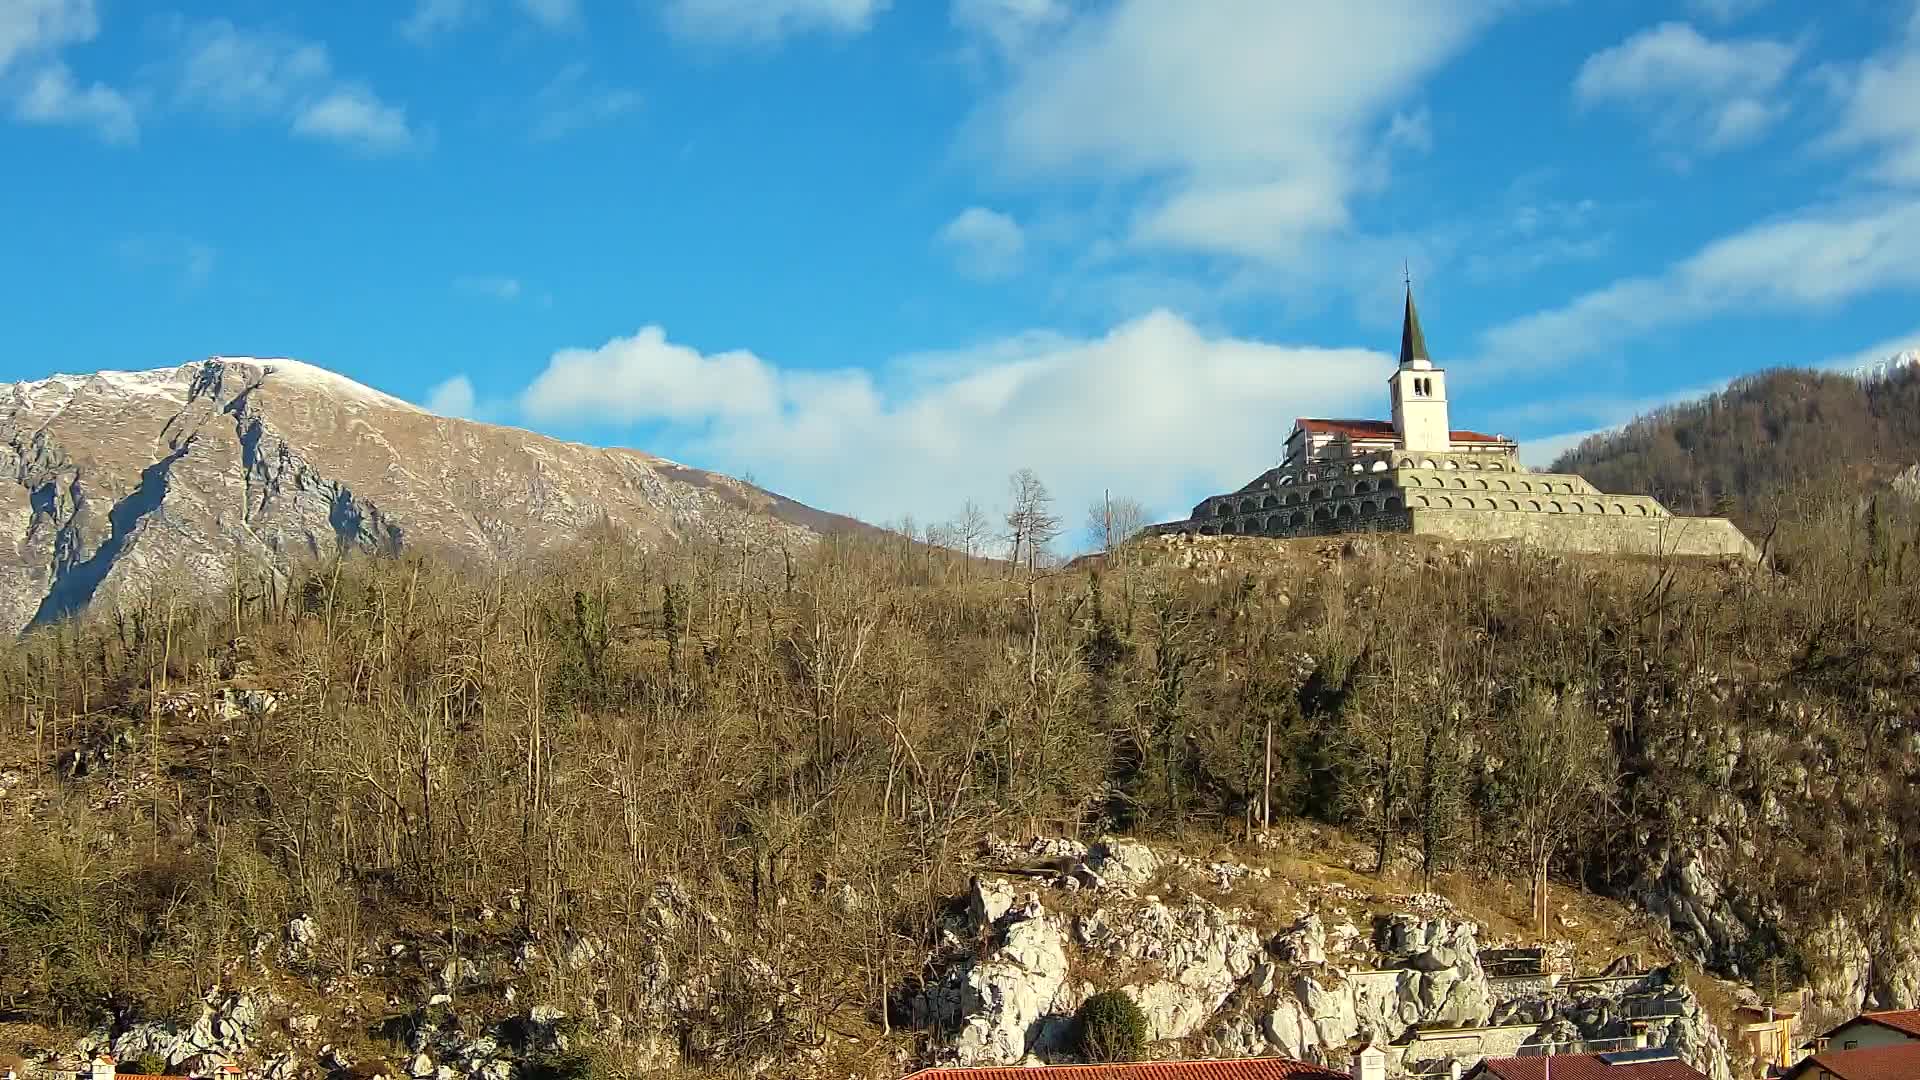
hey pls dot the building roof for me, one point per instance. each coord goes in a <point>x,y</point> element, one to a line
<point>1413,343</point>
<point>1905,1021</point>
<point>1244,1069</point>
<point>1376,429</point>
<point>1894,1061</point>
<point>1625,1066</point>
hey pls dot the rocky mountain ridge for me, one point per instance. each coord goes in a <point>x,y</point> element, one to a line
<point>122,479</point>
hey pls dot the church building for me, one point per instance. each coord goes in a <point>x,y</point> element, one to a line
<point>1416,473</point>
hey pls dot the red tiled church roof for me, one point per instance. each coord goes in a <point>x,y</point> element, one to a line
<point>1586,1067</point>
<point>1895,1061</point>
<point>1247,1069</point>
<point>1376,429</point>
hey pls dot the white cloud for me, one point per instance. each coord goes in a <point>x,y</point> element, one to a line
<point>353,115</point>
<point>1700,93</point>
<point>432,18</point>
<point>1726,11</point>
<point>570,103</point>
<point>1812,259</point>
<point>1155,409</point>
<point>1881,106</point>
<point>1010,24</point>
<point>453,397</point>
<point>647,377</point>
<point>40,86</point>
<point>766,21</point>
<point>267,74</point>
<point>1253,125</point>
<point>493,287</point>
<point>50,96</point>
<point>984,243</point>
<point>553,14</point>
<point>33,27</point>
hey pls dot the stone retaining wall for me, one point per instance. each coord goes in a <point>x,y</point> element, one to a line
<point>1590,534</point>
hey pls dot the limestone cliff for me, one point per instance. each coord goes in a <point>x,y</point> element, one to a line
<point>1220,980</point>
<point>120,479</point>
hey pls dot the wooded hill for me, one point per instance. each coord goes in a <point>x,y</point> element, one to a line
<point>811,748</point>
<point>1758,445</point>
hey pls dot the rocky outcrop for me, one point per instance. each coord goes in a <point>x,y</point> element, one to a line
<point>1213,980</point>
<point>124,480</point>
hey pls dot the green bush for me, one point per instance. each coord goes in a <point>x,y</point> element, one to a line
<point>1112,1028</point>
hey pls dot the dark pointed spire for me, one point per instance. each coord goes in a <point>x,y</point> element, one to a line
<point>1413,343</point>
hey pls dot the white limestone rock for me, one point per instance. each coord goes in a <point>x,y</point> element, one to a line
<point>1198,952</point>
<point>1305,942</point>
<point>1124,863</point>
<point>995,1006</point>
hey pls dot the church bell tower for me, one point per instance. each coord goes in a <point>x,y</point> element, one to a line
<point>1419,391</point>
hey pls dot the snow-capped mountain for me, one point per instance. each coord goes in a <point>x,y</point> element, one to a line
<point>1880,369</point>
<point>120,478</point>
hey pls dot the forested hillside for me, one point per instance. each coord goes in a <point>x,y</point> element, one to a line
<point>1757,445</point>
<point>720,799</point>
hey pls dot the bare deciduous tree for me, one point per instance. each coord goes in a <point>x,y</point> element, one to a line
<point>1112,520</point>
<point>1032,523</point>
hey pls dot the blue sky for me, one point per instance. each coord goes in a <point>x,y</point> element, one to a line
<point>878,253</point>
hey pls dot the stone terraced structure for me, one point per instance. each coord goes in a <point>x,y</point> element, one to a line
<point>1416,474</point>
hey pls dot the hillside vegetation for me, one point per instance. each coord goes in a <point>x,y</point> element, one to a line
<point>1751,447</point>
<point>811,747</point>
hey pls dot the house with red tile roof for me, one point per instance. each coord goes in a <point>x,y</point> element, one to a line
<point>104,1067</point>
<point>1242,1069</point>
<point>1898,1060</point>
<point>1417,473</point>
<point>1873,1029</point>
<point>1654,1064</point>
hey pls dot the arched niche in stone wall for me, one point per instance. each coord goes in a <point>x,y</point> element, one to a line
<point>1394,503</point>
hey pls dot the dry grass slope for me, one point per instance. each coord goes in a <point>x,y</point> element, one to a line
<point>462,761</point>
